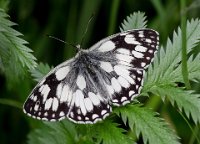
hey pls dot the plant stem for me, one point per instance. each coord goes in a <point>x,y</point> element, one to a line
<point>195,135</point>
<point>113,16</point>
<point>11,103</point>
<point>192,130</point>
<point>184,45</point>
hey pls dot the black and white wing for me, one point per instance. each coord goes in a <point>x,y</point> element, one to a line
<point>45,102</point>
<point>68,91</point>
<point>84,88</point>
<point>133,51</point>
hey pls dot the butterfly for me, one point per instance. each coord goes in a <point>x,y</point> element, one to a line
<point>84,88</point>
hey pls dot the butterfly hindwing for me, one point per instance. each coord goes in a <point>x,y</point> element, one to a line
<point>130,86</point>
<point>71,92</point>
<point>44,104</point>
<point>89,109</point>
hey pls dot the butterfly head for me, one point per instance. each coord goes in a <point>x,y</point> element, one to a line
<point>78,47</point>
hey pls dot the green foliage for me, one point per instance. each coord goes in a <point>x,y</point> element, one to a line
<point>144,121</point>
<point>186,100</point>
<point>66,132</point>
<point>166,71</point>
<point>15,57</point>
<point>194,68</point>
<point>54,133</point>
<point>40,71</point>
<point>134,21</point>
<point>109,133</point>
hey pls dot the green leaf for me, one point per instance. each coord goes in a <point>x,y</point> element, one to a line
<point>142,120</point>
<point>15,57</point>
<point>166,70</point>
<point>166,66</point>
<point>40,71</point>
<point>65,132</point>
<point>194,68</point>
<point>134,21</point>
<point>109,133</point>
<point>54,133</point>
<point>185,100</point>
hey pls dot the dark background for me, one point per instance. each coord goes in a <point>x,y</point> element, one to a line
<point>67,20</point>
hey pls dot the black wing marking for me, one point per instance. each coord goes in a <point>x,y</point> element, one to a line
<point>46,101</point>
<point>43,103</point>
<point>134,50</point>
<point>90,102</point>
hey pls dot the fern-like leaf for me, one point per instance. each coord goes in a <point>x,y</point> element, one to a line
<point>15,57</point>
<point>166,62</point>
<point>166,70</point>
<point>194,68</point>
<point>185,100</point>
<point>134,21</point>
<point>54,133</point>
<point>109,133</point>
<point>153,129</point>
<point>40,71</point>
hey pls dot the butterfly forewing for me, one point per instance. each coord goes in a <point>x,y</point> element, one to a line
<point>133,51</point>
<point>109,73</point>
<point>46,101</point>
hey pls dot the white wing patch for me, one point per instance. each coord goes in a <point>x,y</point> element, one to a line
<point>123,82</point>
<point>55,104</point>
<point>125,58</point>
<point>106,66</point>
<point>81,82</point>
<point>61,73</point>
<point>115,84</point>
<point>94,98</point>
<point>44,89</point>
<point>140,48</point>
<point>107,46</point>
<point>64,93</point>
<point>131,40</point>
<point>137,54</point>
<point>48,104</point>
<point>123,51</point>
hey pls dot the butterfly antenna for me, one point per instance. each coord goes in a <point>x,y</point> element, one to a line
<point>89,21</point>
<point>52,37</point>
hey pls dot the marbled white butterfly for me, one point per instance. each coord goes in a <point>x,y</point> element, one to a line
<point>84,88</point>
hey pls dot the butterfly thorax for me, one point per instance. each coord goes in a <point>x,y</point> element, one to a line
<point>88,64</point>
<point>83,60</point>
<point>86,59</point>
